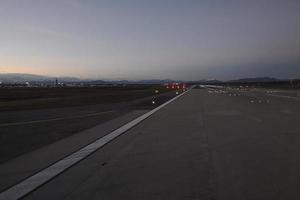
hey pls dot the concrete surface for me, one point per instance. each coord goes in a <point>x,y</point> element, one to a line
<point>209,144</point>
<point>23,166</point>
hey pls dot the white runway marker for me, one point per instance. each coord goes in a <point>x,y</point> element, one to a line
<point>30,184</point>
<point>282,96</point>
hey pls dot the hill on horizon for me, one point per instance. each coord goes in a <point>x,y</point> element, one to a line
<point>23,78</point>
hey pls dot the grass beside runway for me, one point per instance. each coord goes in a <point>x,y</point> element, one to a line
<point>66,106</point>
<point>41,98</point>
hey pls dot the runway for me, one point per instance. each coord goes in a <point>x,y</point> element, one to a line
<point>207,144</point>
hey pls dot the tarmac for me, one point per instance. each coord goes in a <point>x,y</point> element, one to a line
<point>207,144</point>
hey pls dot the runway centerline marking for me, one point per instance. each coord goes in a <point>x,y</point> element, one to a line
<point>283,96</point>
<point>35,181</point>
<point>55,119</point>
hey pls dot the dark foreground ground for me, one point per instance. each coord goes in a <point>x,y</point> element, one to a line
<point>33,117</point>
<point>208,144</point>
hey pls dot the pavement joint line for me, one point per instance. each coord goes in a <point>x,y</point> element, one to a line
<point>55,119</point>
<point>35,181</point>
<point>283,96</point>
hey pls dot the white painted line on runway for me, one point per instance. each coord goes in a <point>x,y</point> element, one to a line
<point>30,184</point>
<point>283,96</point>
<point>254,118</point>
<point>55,119</point>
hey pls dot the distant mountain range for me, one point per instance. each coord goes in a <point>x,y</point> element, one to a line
<point>32,78</point>
<point>243,80</point>
<point>256,80</point>
<point>23,78</point>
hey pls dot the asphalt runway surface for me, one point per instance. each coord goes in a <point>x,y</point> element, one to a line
<point>208,144</point>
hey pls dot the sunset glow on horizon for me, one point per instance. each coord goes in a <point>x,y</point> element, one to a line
<point>187,40</point>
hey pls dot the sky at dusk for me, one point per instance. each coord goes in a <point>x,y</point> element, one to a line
<point>139,39</point>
